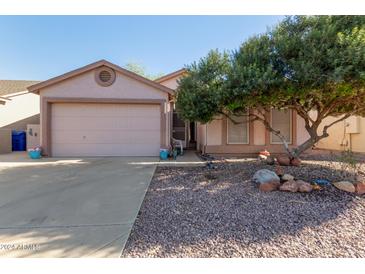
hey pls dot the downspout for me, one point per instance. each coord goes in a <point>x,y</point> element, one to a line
<point>349,144</point>
<point>350,141</point>
<point>344,135</point>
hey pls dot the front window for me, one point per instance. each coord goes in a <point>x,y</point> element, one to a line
<point>281,120</point>
<point>238,133</point>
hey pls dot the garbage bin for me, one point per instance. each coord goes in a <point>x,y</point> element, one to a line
<point>18,140</point>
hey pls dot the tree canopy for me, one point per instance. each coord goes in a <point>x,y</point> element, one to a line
<point>141,70</point>
<point>305,63</point>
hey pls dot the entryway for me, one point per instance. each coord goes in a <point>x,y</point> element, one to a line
<point>184,131</point>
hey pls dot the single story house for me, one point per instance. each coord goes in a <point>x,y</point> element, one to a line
<point>105,110</point>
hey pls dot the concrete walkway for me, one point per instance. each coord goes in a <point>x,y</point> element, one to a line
<point>70,207</point>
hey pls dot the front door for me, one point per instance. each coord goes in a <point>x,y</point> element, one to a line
<point>178,128</point>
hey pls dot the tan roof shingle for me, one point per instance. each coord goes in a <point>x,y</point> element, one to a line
<point>13,86</point>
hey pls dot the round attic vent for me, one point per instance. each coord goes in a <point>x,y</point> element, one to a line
<point>105,76</point>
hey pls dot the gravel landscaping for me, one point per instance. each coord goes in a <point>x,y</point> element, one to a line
<point>201,212</point>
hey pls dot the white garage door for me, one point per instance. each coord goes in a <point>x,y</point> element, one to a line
<point>105,129</point>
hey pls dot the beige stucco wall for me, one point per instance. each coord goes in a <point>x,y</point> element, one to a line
<point>5,141</point>
<point>171,83</point>
<point>201,136</point>
<point>210,133</point>
<point>357,141</point>
<point>259,137</point>
<point>340,137</point>
<point>302,134</point>
<point>21,106</point>
<point>258,133</point>
<point>214,132</point>
<point>85,86</point>
<point>336,135</point>
<point>22,124</point>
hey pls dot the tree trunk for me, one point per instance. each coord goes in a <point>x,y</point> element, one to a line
<point>296,152</point>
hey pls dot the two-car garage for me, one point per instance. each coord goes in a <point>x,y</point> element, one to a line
<point>105,129</point>
<point>103,110</point>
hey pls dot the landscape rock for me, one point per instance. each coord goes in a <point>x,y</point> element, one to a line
<point>267,180</point>
<point>304,186</point>
<point>264,175</point>
<point>283,160</point>
<point>295,162</point>
<point>291,186</point>
<point>279,170</point>
<point>287,177</point>
<point>345,186</point>
<point>360,188</point>
<point>269,186</point>
<point>326,223</point>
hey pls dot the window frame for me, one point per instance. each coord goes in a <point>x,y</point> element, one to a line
<point>248,133</point>
<point>290,129</point>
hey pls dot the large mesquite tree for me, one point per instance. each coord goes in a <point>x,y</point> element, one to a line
<point>310,64</point>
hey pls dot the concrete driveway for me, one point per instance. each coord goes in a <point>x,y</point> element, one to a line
<point>70,207</point>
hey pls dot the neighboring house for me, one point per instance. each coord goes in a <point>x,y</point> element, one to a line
<point>18,107</point>
<point>103,110</point>
<point>3,100</point>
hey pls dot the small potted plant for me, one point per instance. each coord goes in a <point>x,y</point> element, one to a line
<point>35,153</point>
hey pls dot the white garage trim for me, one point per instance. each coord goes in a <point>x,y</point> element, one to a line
<point>46,115</point>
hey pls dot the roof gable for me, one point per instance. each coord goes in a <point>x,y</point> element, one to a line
<point>170,75</point>
<point>35,88</point>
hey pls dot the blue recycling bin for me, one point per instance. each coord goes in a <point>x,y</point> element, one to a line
<point>18,139</point>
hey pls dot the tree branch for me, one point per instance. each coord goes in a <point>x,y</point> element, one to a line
<point>276,132</point>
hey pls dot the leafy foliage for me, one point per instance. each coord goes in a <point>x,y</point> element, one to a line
<point>141,70</point>
<point>201,92</point>
<point>305,63</point>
